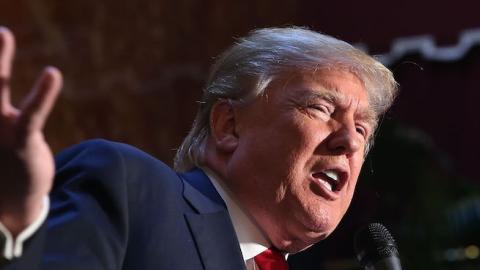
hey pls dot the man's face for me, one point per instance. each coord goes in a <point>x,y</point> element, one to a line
<point>300,150</point>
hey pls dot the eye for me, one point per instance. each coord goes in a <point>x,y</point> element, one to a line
<point>322,108</point>
<point>362,131</point>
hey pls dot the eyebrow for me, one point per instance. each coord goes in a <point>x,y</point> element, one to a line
<point>331,95</point>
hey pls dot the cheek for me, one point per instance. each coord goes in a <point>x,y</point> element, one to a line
<point>303,138</point>
<point>350,190</point>
<point>284,147</point>
<point>314,135</point>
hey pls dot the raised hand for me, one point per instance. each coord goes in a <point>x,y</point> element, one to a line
<point>26,161</point>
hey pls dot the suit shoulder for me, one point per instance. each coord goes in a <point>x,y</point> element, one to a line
<point>100,150</point>
<point>103,159</point>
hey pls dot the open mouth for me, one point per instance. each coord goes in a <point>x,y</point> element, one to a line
<point>330,179</point>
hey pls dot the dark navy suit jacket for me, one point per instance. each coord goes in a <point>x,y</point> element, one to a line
<point>115,207</point>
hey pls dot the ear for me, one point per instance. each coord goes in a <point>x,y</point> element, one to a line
<point>222,126</point>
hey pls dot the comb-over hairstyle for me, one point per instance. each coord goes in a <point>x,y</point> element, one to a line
<point>246,69</point>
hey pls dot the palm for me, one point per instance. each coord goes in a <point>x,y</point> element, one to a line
<point>26,159</point>
<point>25,156</point>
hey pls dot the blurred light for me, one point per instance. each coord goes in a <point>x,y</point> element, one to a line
<point>472,252</point>
<point>454,254</point>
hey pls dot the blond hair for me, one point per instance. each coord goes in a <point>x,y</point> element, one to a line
<point>245,70</point>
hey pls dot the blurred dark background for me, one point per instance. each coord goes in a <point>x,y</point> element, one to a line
<point>134,71</point>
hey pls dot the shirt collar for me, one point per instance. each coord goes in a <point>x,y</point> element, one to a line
<point>251,239</point>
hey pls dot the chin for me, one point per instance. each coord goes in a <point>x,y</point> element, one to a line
<point>301,242</point>
<point>305,236</point>
<point>320,221</point>
<point>318,227</point>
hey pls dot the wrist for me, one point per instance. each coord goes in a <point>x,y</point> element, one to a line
<point>16,216</point>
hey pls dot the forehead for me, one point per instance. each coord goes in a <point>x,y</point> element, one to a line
<point>337,86</point>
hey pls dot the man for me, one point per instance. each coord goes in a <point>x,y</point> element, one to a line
<point>269,167</point>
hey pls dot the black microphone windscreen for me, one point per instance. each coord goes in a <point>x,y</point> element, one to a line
<point>374,243</point>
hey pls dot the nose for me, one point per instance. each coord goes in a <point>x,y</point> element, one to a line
<point>345,140</point>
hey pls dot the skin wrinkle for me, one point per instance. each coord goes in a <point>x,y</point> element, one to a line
<point>309,97</point>
<point>234,76</point>
<point>331,94</point>
<point>280,146</point>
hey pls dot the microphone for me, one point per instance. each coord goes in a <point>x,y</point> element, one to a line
<point>376,249</point>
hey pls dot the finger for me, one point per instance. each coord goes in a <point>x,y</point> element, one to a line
<point>37,106</point>
<point>7,50</point>
<point>7,43</point>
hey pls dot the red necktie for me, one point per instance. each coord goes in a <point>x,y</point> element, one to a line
<point>271,259</point>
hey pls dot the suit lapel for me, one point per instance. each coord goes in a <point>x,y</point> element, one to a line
<point>211,226</point>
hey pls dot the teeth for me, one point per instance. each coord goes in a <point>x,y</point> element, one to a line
<point>328,178</point>
<point>333,175</point>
